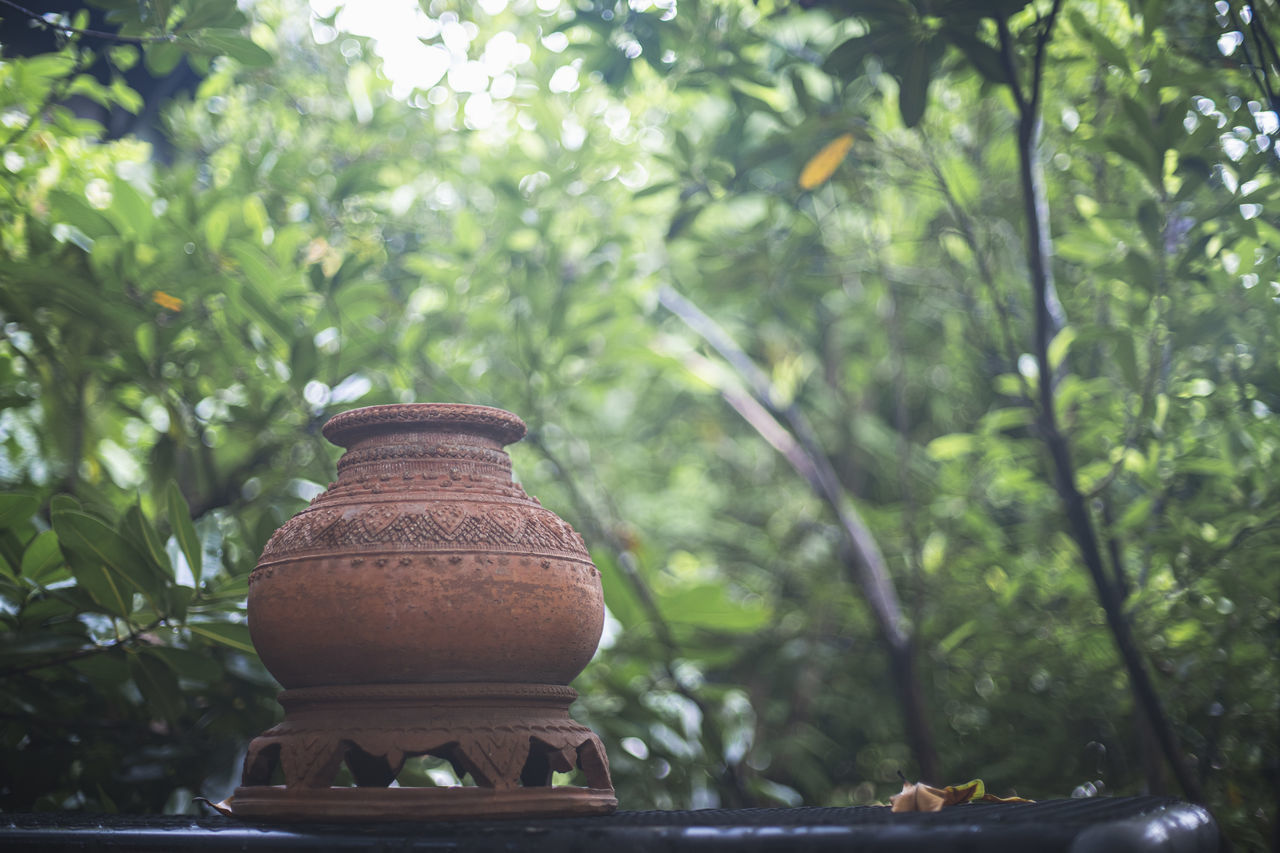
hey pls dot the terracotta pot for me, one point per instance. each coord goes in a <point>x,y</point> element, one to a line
<point>425,562</point>
<point>424,605</point>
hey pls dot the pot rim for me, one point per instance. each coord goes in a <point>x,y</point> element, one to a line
<point>345,428</point>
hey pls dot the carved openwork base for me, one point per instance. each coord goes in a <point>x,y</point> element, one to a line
<point>510,738</point>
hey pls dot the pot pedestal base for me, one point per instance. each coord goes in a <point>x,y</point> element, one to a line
<point>411,804</point>
<point>510,738</point>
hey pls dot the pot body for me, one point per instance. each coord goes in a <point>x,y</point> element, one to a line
<point>425,563</point>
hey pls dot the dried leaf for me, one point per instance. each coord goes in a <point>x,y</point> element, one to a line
<point>824,164</point>
<point>223,808</point>
<point>918,797</point>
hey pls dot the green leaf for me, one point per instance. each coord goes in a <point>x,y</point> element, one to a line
<point>1153,12</point>
<point>1142,271</point>
<point>618,594</point>
<point>212,13</point>
<point>1126,359</point>
<point>177,600</point>
<point>1152,223</point>
<point>654,189</point>
<point>88,87</point>
<point>233,44</point>
<point>130,210</point>
<point>162,58</point>
<point>19,647</point>
<point>957,636</point>
<point>983,57</point>
<point>106,590</point>
<point>126,98</point>
<point>302,360</point>
<point>1137,152</point>
<point>73,209</point>
<point>123,56</point>
<point>913,87</point>
<point>951,446</point>
<point>1108,50</point>
<point>216,223</point>
<point>1139,119</point>
<point>158,15</point>
<point>1011,417</point>
<point>845,61</point>
<point>17,507</point>
<point>1194,172</point>
<point>226,633</point>
<point>158,686</point>
<point>48,66</point>
<point>142,535</point>
<point>1136,514</point>
<point>184,531</point>
<point>1206,467</point>
<point>1060,346</point>
<point>11,548</point>
<point>59,503</point>
<point>42,558</point>
<point>187,664</point>
<point>103,562</point>
<point>708,606</point>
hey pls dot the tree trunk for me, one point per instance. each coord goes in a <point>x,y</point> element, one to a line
<point>1079,522</point>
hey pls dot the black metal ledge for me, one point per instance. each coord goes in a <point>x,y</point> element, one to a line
<point>1071,826</point>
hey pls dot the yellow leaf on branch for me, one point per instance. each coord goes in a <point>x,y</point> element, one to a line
<point>824,164</point>
<point>164,300</point>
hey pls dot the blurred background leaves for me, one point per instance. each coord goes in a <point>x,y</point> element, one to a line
<point>219,227</point>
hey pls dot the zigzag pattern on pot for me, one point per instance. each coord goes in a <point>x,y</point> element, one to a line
<point>447,526</point>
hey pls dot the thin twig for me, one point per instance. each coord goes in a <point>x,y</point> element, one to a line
<point>1042,44</point>
<point>1010,63</point>
<point>40,21</point>
<point>79,654</point>
<point>1258,69</point>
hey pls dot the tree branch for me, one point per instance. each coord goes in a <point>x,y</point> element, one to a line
<point>1080,523</point>
<point>1010,64</point>
<point>1042,44</point>
<point>859,550</point>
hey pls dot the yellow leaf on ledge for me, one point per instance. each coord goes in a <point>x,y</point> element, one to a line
<point>918,797</point>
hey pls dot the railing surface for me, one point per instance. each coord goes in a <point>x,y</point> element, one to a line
<point>1072,826</point>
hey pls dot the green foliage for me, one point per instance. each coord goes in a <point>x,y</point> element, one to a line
<point>329,236</point>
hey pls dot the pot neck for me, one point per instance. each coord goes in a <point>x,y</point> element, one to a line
<point>430,454</point>
<point>425,446</point>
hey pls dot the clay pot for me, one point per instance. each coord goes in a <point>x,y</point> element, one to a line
<point>425,562</point>
<point>424,605</point>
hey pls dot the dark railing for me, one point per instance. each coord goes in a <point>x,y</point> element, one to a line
<point>1072,826</point>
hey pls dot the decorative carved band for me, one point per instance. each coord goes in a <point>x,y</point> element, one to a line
<point>445,526</point>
